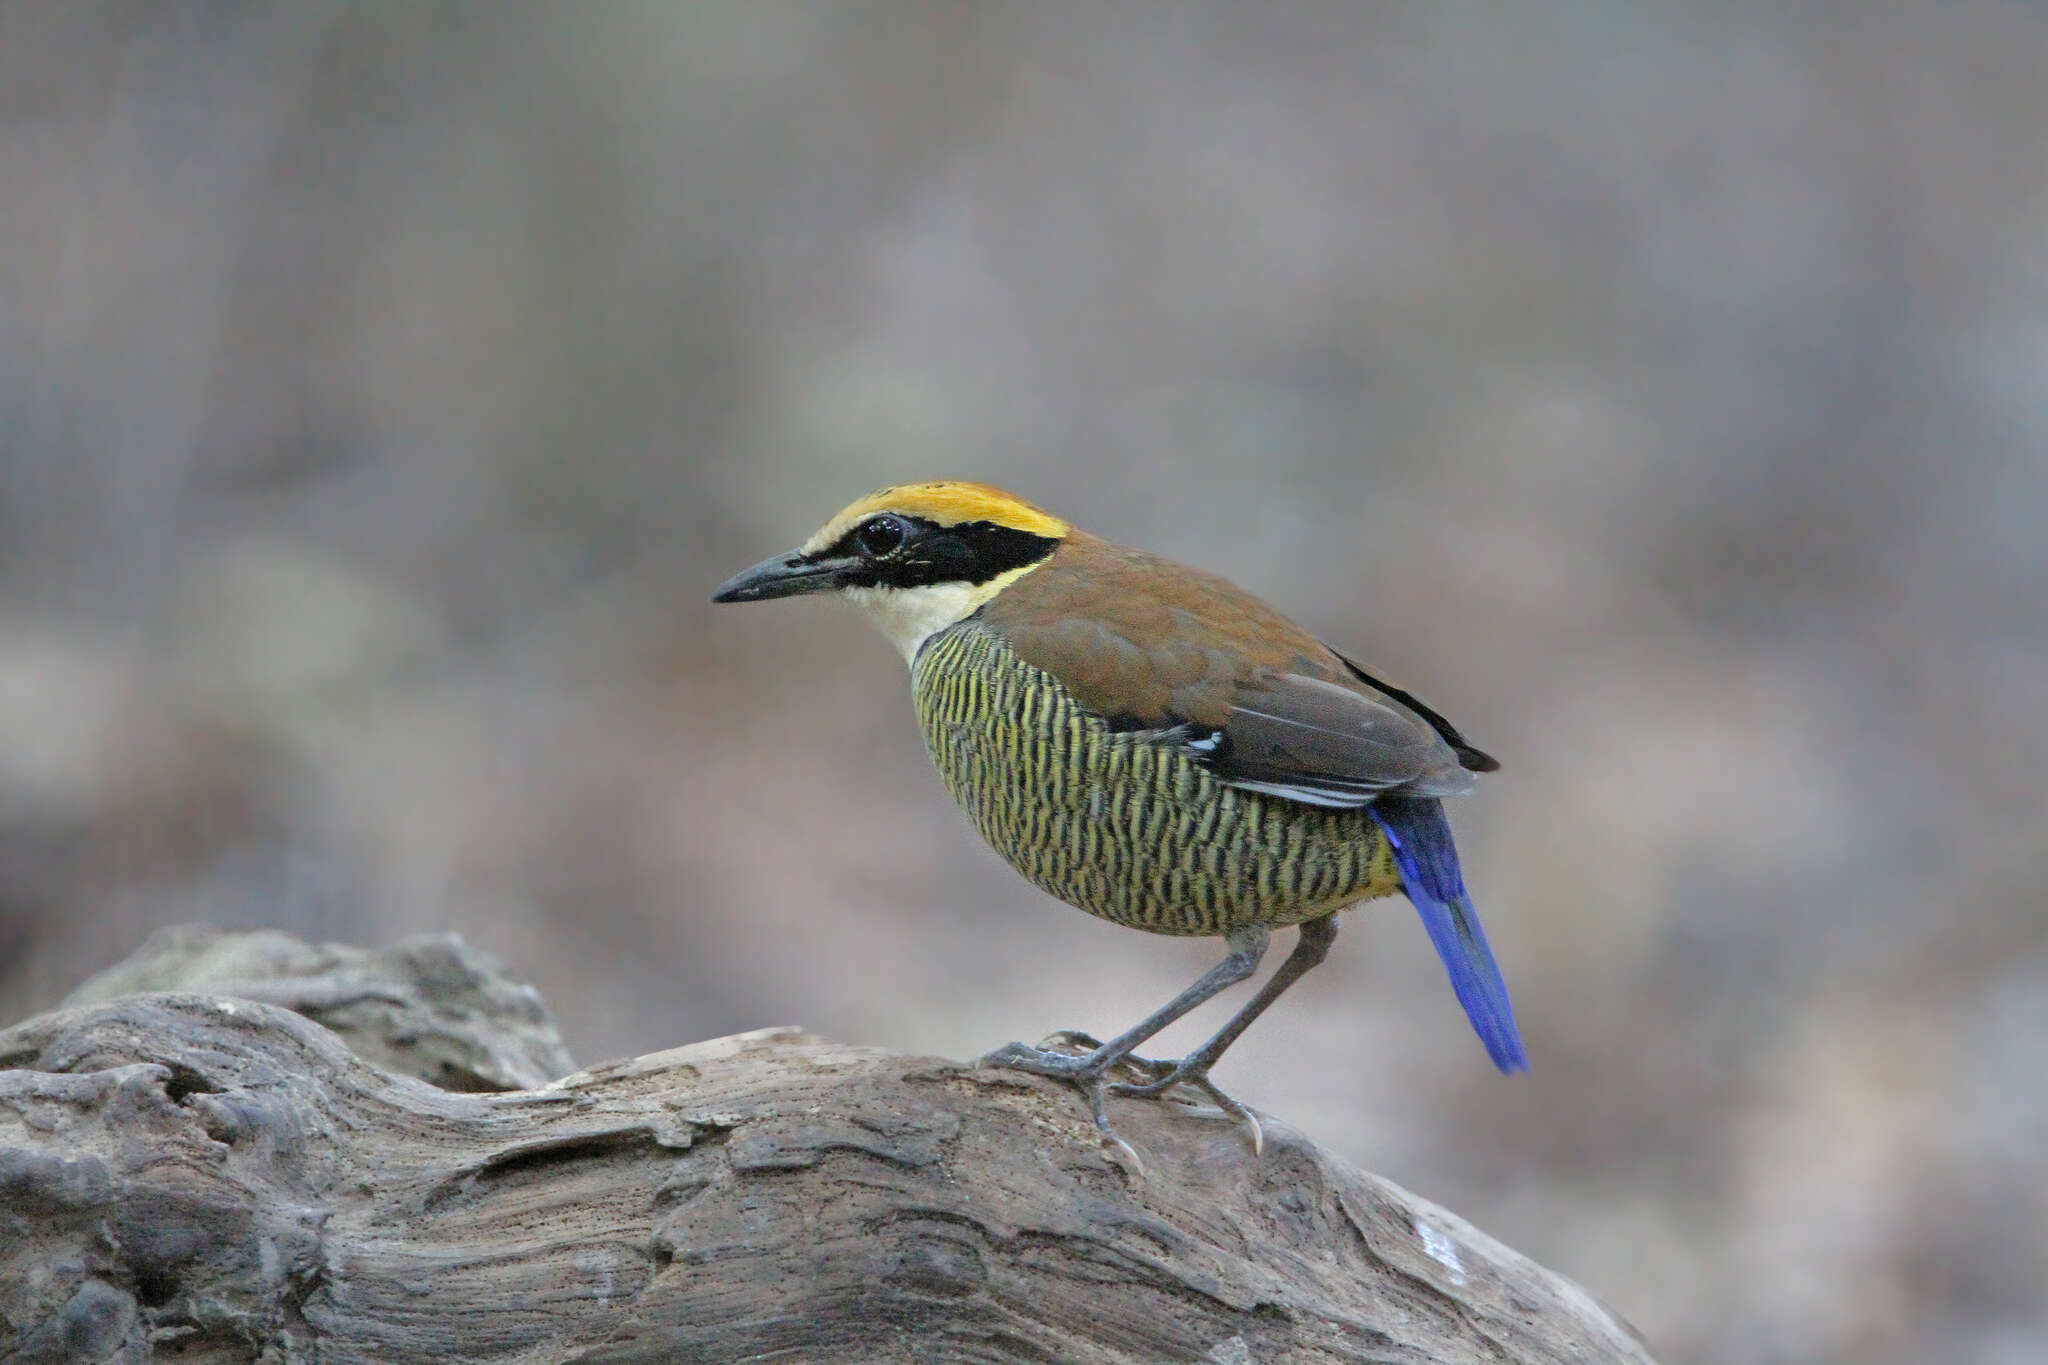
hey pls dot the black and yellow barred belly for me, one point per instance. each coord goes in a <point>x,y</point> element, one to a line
<point>1118,824</point>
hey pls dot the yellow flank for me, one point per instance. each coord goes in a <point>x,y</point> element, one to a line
<point>945,503</point>
<point>1124,828</point>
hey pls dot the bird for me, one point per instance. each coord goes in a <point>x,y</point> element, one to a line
<point>1160,748</point>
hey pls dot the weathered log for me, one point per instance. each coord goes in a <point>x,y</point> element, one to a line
<point>431,1006</point>
<point>204,1177</point>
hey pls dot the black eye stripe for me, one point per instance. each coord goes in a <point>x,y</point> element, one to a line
<point>927,553</point>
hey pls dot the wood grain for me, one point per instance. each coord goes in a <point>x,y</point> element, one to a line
<point>208,1178</point>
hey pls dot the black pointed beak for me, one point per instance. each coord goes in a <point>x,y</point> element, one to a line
<point>784,575</point>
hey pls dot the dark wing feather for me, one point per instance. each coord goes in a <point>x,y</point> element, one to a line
<point>1475,760</point>
<point>1238,687</point>
<point>1329,745</point>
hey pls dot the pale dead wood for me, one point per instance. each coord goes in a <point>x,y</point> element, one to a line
<point>431,1006</point>
<point>203,1177</point>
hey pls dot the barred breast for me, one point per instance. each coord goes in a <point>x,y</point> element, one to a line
<point>1124,828</point>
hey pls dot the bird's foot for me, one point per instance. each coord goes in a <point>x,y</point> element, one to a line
<point>1044,1061</point>
<point>1069,1040</point>
<point>1192,1072</point>
<point>1071,1055</point>
<point>1085,1062</point>
<point>1086,1047</point>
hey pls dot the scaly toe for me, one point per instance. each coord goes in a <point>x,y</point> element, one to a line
<point>1098,1094</point>
<point>1157,1084</point>
<point>1149,1070</point>
<point>1070,1040</point>
<point>1174,1075</point>
<point>1237,1111</point>
<point>1061,1066</point>
<point>1086,1072</point>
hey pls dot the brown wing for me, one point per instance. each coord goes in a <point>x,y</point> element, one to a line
<point>1156,647</point>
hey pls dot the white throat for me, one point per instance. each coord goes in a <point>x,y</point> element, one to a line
<point>910,616</point>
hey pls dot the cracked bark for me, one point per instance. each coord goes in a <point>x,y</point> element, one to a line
<point>204,1176</point>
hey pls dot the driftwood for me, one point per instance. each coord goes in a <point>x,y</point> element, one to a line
<point>208,1177</point>
<point>432,1007</point>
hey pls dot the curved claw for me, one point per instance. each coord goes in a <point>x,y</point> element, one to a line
<point>1196,1077</point>
<point>1116,1138</point>
<point>1089,1070</point>
<point>1236,1111</point>
<point>1098,1093</point>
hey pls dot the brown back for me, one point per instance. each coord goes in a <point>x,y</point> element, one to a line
<point>1150,644</point>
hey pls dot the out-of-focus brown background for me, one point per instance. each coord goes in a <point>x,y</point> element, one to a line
<point>1658,389</point>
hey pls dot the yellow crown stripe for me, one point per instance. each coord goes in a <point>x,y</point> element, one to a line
<point>944,503</point>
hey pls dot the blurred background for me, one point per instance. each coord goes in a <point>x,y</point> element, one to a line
<point>1658,389</point>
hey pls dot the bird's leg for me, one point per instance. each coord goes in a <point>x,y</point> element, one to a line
<point>1247,948</point>
<point>1193,1069</point>
<point>1091,1069</point>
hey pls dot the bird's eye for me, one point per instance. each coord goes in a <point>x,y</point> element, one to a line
<point>880,535</point>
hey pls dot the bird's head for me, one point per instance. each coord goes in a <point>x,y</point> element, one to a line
<point>916,558</point>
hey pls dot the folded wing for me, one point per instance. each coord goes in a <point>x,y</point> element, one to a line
<point>1197,662</point>
<point>1326,744</point>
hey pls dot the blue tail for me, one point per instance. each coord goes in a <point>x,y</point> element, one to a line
<point>1428,861</point>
